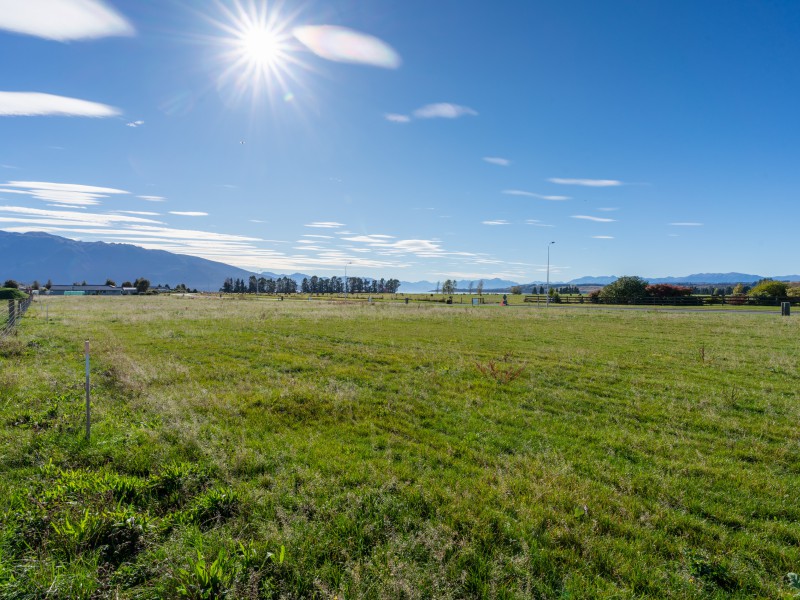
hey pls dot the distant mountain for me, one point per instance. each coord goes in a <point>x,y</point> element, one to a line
<point>599,280</point>
<point>416,287</point>
<point>30,256</point>
<point>698,278</point>
<point>488,284</point>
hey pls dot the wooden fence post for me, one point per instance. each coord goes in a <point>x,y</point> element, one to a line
<point>88,405</point>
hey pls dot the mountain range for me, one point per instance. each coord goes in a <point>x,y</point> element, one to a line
<point>42,256</point>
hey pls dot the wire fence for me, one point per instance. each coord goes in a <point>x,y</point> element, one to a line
<point>16,308</point>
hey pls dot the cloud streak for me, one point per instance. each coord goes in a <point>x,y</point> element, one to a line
<point>188,213</point>
<point>496,222</point>
<point>595,219</point>
<point>63,193</point>
<point>444,110</point>
<point>586,182</point>
<point>63,20</point>
<point>36,104</point>
<point>340,44</point>
<point>539,196</point>
<point>397,118</point>
<point>325,224</point>
<point>496,160</point>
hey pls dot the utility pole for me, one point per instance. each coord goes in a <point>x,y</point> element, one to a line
<point>548,273</point>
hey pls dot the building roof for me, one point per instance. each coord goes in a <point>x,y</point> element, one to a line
<point>82,288</point>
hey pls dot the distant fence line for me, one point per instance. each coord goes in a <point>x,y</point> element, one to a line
<point>16,308</point>
<point>695,300</point>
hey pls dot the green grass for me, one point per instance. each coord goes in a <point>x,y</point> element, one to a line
<point>393,451</point>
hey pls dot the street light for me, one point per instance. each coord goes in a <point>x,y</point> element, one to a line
<point>345,278</point>
<point>548,272</point>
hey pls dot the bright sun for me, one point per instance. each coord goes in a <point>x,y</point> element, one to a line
<point>263,47</point>
<point>259,50</point>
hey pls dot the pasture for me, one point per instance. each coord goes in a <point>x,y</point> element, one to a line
<point>256,448</point>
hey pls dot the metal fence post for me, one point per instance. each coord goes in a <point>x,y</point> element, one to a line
<point>785,308</point>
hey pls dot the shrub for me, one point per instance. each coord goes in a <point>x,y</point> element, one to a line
<point>768,287</point>
<point>625,290</point>
<point>665,290</point>
<point>9,293</point>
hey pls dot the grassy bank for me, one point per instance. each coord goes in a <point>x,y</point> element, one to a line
<point>397,451</point>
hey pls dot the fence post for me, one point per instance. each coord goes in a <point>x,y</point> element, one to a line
<point>11,313</point>
<point>88,405</point>
<point>785,308</point>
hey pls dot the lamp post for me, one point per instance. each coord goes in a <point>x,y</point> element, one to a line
<point>345,278</point>
<point>548,272</point>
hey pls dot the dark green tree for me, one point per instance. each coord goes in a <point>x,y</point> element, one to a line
<point>141,285</point>
<point>625,290</point>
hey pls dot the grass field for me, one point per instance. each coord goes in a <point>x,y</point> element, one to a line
<point>256,448</point>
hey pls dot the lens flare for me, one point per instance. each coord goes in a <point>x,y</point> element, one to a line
<point>259,52</point>
<point>341,44</point>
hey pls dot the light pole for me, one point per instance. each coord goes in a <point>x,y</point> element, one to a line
<point>345,278</point>
<point>548,272</point>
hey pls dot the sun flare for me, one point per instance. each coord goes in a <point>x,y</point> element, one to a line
<point>259,52</point>
<point>262,46</point>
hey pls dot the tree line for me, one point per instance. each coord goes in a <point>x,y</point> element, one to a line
<point>310,285</point>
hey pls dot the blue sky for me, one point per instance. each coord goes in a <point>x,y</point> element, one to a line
<point>411,139</point>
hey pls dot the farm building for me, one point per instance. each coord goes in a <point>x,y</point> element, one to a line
<point>86,290</point>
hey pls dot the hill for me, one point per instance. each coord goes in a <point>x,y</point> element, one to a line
<point>29,256</point>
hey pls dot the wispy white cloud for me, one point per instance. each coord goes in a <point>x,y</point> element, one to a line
<point>65,218</point>
<point>135,124</point>
<point>314,235</point>
<point>537,223</point>
<point>595,219</point>
<point>325,224</point>
<point>257,221</point>
<point>496,222</point>
<point>496,160</point>
<point>62,193</point>
<point>9,167</point>
<point>35,104</point>
<point>138,212</point>
<point>63,20</point>
<point>386,247</point>
<point>153,198</point>
<point>539,196</point>
<point>397,118</point>
<point>603,237</point>
<point>341,44</point>
<point>586,182</point>
<point>607,209</point>
<point>189,213</point>
<point>687,224</point>
<point>444,110</point>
